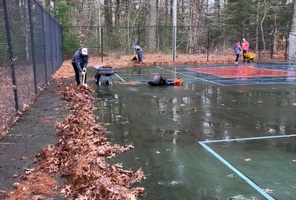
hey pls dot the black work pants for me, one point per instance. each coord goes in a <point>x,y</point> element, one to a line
<point>245,59</point>
<point>77,74</point>
<point>236,57</point>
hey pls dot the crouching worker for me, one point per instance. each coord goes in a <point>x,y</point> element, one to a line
<point>79,62</point>
<point>139,52</point>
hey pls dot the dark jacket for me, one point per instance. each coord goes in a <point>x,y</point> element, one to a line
<point>137,48</point>
<point>80,61</point>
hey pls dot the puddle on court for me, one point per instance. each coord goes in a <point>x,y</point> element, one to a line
<point>165,123</point>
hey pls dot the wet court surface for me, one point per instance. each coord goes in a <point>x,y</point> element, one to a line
<point>219,136</point>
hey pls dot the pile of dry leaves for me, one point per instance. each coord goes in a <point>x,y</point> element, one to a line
<point>79,158</point>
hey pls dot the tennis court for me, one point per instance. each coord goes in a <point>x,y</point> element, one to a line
<point>228,133</point>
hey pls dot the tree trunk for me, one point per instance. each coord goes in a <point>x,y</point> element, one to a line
<point>166,12</point>
<point>117,13</point>
<point>151,26</point>
<point>108,12</point>
<point>292,37</point>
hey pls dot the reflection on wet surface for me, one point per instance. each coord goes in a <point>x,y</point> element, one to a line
<point>166,123</point>
<point>243,71</point>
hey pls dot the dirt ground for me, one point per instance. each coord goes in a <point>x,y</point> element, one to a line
<point>35,129</point>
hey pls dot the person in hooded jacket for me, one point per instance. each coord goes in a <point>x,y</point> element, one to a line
<point>237,51</point>
<point>79,62</point>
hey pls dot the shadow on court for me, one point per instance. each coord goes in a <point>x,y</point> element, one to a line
<point>219,136</point>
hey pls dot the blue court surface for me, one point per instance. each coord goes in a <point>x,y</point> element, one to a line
<point>228,133</point>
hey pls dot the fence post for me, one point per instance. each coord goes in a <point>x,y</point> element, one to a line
<point>32,45</point>
<point>44,48</point>
<point>260,46</point>
<point>51,48</point>
<point>208,47</point>
<point>138,35</point>
<point>242,34</point>
<point>102,44</point>
<point>174,43</point>
<point>10,56</point>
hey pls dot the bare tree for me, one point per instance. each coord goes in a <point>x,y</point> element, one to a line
<point>151,26</point>
<point>292,37</point>
<point>108,12</point>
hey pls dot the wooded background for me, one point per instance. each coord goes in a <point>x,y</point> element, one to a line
<point>202,25</point>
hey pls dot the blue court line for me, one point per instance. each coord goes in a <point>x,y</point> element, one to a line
<point>251,183</point>
<point>251,138</point>
<point>236,171</point>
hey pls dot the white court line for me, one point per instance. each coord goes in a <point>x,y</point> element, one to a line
<point>205,80</point>
<point>251,183</point>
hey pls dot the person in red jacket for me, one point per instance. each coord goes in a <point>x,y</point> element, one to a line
<point>245,48</point>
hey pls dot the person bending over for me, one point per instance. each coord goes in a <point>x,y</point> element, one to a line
<point>139,52</point>
<point>79,62</point>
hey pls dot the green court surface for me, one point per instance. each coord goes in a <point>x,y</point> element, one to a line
<point>215,137</point>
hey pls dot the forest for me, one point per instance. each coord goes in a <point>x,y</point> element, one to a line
<point>202,25</point>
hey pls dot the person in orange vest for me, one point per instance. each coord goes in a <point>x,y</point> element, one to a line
<point>178,81</point>
<point>245,48</point>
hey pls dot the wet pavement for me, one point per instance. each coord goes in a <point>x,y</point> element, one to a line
<point>215,137</point>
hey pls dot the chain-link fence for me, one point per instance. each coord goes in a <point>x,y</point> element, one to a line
<point>31,47</point>
<point>30,52</point>
<point>265,40</point>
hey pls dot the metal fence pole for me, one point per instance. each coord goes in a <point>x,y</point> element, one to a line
<point>32,45</point>
<point>102,45</point>
<point>138,35</point>
<point>174,43</point>
<point>260,46</point>
<point>242,33</point>
<point>44,48</point>
<point>51,49</point>
<point>174,29</point>
<point>10,56</point>
<point>208,46</point>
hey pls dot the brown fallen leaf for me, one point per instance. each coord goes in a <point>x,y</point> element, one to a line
<point>267,190</point>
